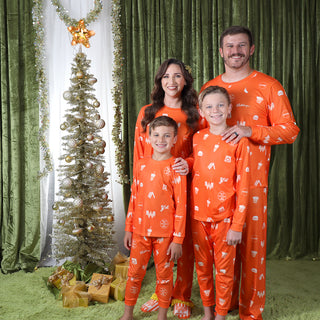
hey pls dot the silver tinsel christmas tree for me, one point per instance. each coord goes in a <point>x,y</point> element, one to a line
<point>83,228</point>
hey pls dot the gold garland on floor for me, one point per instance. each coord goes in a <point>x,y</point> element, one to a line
<point>118,63</point>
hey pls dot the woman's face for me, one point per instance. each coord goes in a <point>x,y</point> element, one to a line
<point>173,81</point>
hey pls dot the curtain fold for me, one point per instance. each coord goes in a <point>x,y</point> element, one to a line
<point>287,39</point>
<point>19,162</point>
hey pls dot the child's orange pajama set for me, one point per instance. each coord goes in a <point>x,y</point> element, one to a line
<point>260,102</point>
<point>156,217</point>
<point>183,149</point>
<point>219,197</point>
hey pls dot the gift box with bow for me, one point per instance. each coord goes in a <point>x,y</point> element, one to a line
<point>75,295</point>
<point>99,287</point>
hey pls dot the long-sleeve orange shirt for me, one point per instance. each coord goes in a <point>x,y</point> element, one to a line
<point>157,205</point>
<point>260,101</point>
<point>220,179</point>
<point>183,146</point>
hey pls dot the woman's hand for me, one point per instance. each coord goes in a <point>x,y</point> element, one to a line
<point>181,166</point>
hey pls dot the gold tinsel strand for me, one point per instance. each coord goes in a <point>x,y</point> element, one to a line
<point>37,16</point>
<point>64,16</point>
<point>117,91</point>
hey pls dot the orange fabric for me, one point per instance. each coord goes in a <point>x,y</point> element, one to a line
<point>141,250</point>
<point>220,176</point>
<point>258,101</point>
<point>252,253</point>
<point>157,205</point>
<point>211,248</point>
<point>185,266</point>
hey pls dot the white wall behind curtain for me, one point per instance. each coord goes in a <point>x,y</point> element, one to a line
<point>58,59</point>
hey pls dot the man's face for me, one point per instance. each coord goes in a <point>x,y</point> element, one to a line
<point>236,50</point>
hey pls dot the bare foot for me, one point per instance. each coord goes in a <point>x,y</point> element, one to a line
<point>124,317</point>
<point>208,318</point>
<point>162,314</point>
<point>220,317</point>
<point>128,313</point>
<point>208,313</point>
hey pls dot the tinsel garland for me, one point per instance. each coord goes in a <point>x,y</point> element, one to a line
<point>37,16</point>
<point>117,91</point>
<point>64,16</point>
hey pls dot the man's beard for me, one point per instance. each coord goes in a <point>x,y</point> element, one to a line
<point>244,62</point>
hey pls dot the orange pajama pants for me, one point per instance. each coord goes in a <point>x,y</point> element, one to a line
<point>211,248</point>
<point>141,250</point>
<point>185,267</point>
<point>250,264</point>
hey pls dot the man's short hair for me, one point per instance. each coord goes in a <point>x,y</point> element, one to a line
<point>236,30</point>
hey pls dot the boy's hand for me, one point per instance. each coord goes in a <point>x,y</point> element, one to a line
<point>175,250</point>
<point>234,237</point>
<point>127,240</point>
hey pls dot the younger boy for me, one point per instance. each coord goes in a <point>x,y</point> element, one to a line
<point>156,217</point>
<point>219,196</point>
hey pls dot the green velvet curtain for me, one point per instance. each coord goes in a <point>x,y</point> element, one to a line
<point>19,145</point>
<point>287,39</point>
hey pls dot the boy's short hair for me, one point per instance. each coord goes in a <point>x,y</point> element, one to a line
<point>163,121</point>
<point>213,89</point>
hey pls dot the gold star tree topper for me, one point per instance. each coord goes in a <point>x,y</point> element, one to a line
<point>81,34</point>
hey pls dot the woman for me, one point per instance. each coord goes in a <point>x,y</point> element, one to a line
<point>173,96</point>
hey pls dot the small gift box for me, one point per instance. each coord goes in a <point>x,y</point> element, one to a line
<point>99,287</point>
<point>121,270</point>
<point>75,295</point>
<point>62,277</point>
<point>119,258</point>
<point>118,289</point>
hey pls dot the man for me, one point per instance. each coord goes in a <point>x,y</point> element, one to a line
<point>262,112</point>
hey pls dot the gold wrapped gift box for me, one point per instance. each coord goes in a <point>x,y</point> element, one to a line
<point>121,270</point>
<point>75,295</point>
<point>99,287</point>
<point>118,289</point>
<point>118,286</point>
<point>62,277</point>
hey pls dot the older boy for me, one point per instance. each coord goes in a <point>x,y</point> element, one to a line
<point>219,197</point>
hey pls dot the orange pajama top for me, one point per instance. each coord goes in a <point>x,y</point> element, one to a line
<point>157,206</point>
<point>260,102</point>
<point>220,179</point>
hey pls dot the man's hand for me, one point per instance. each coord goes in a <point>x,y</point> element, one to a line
<point>235,133</point>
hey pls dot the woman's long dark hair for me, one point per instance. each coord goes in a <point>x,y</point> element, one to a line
<point>188,96</point>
